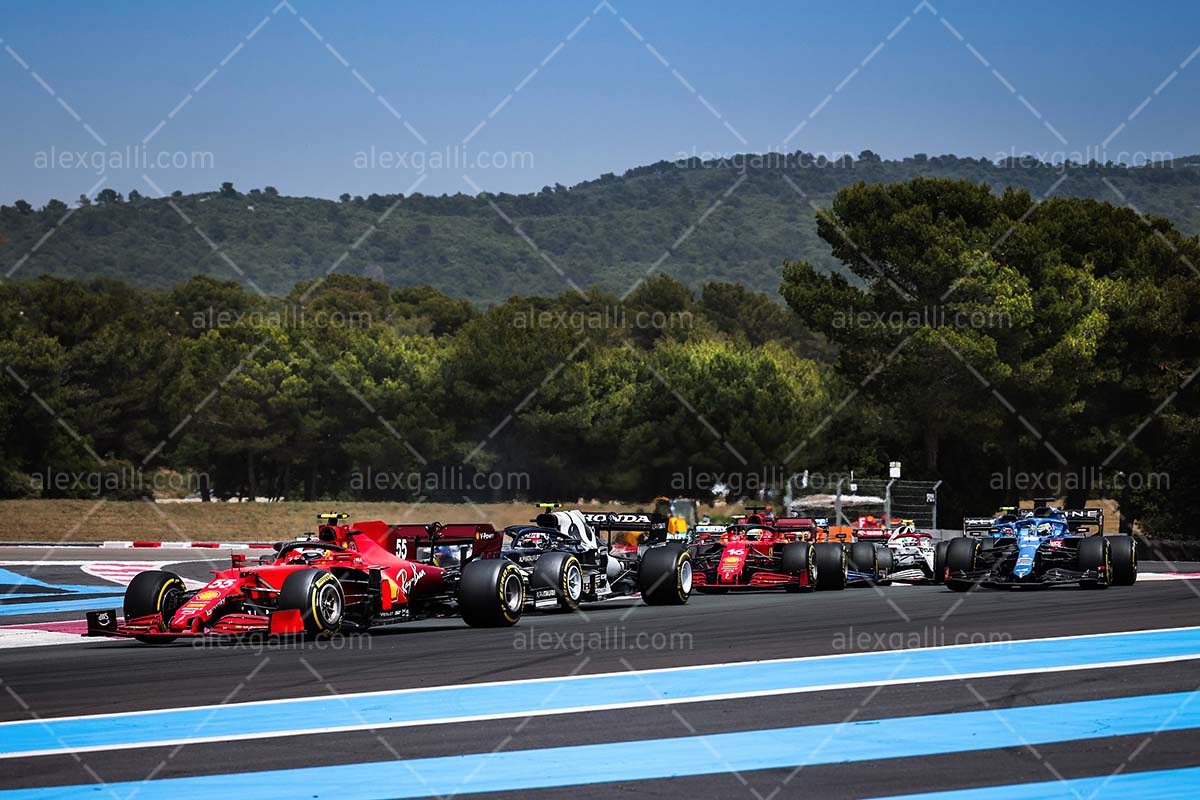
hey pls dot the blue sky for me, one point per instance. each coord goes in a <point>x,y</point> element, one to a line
<point>285,111</point>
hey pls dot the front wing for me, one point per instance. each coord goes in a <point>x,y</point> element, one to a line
<point>1000,573</point>
<point>706,575</point>
<point>152,627</point>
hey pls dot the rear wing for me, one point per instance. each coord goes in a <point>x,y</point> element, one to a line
<point>800,524</point>
<point>1078,519</point>
<point>1085,519</point>
<point>637,521</point>
<point>973,526</point>
<point>416,542</point>
<point>651,527</point>
<point>813,529</point>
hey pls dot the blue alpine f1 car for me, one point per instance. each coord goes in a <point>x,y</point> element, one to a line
<point>1044,546</point>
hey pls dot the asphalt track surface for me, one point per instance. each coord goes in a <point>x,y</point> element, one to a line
<point>1128,729</point>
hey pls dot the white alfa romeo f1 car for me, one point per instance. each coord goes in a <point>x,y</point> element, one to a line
<point>916,556</point>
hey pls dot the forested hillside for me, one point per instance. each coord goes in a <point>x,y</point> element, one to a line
<point>603,233</point>
<point>1060,360</point>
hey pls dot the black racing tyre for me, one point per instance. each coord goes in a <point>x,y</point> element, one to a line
<point>491,593</point>
<point>665,576</point>
<point>154,592</point>
<point>962,556</point>
<point>319,598</point>
<point>862,559</point>
<point>1095,554</point>
<point>797,558</point>
<point>829,562</point>
<point>885,562</point>
<point>561,572</point>
<point>1124,560</point>
<point>939,562</point>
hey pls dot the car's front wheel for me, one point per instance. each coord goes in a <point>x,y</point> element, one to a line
<point>863,560</point>
<point>961,556</point>
<point>154,592</point>
<point>939,562</point>
<point>319,598</point>
<point>665,576</point>
<point>829,560</point>
<point>885,564</point>
<point>1095,555</point>
<point>798,558</point>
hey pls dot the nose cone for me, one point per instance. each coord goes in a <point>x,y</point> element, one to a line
<point>1025,559</point>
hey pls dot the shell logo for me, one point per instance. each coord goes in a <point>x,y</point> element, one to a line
<point>208,594</point>
<point>393,587</point>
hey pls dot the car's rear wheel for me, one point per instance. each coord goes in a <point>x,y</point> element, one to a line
<point>829,559</point>
<point>665,576</point>
<point>562,573</point>
<point>319,598</point>
<point>491,593</point>
<point>962,555</point>
<point>798,559</point>
<point>154,592</point>
<point>1124,560</point>
<point>1095,555</point>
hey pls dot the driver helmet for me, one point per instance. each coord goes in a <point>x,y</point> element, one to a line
<point>536,539</point>
<point>445,556</point>
<point>310,554</point>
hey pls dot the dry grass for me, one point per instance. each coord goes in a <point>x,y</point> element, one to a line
<point>89,521</point>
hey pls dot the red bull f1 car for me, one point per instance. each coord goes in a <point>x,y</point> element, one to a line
<point>346,576</point>
<point>1043,546</point>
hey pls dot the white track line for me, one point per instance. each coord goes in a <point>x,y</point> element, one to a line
<point>626,673</point>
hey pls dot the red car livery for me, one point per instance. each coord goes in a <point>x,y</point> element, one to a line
<point>758,555</point>
<point>357,576</point>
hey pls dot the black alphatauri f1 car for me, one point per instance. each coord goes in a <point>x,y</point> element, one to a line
<point>566,562</point>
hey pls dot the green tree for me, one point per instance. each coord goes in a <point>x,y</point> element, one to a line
<point>1052,325</point>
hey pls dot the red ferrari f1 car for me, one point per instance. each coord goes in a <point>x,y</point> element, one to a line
<point>758,555</point>
<point>356,576</point>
